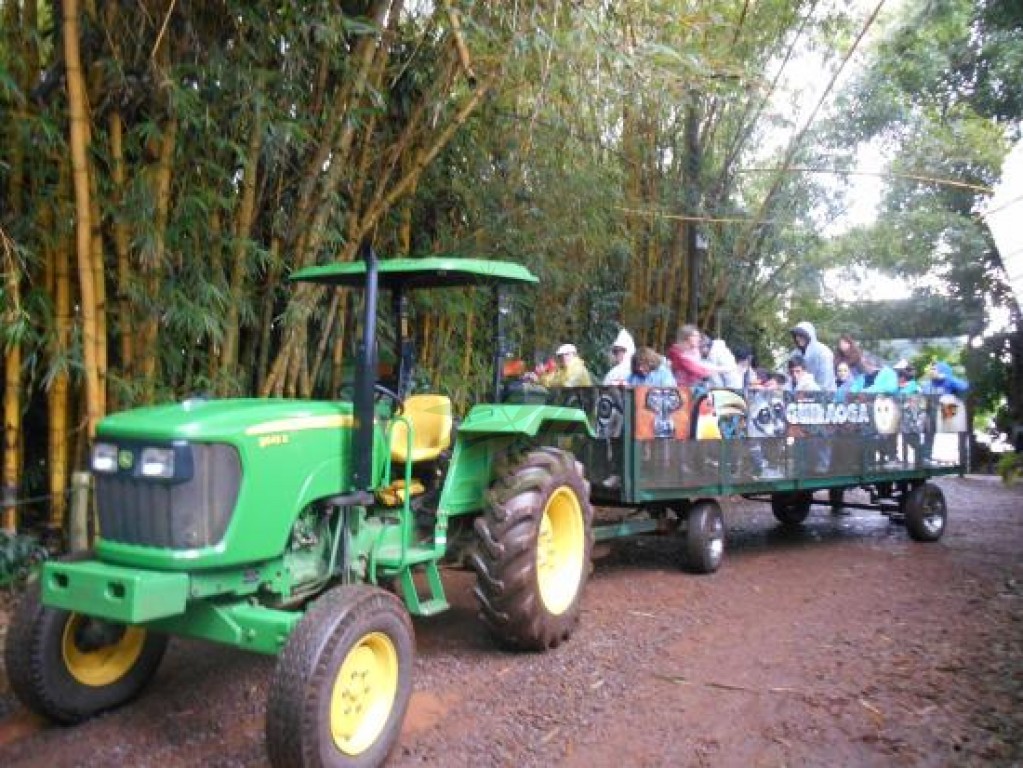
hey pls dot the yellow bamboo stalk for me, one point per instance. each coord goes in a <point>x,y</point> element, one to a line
<point>316,194</point>
<point>292,380</point>
<point>325,336</point>
<point>79,139</point>
<point>121,239</point>
<point>154,267</point>
<point>99,282</point>
<point>385,199</point>
<point>59,394</point>
<point>272,278</point>
<point>426,328</point>
<point>216,253</point>
<point>338,352</point>
<point>12,390</point>
<point>239,258</point>
<point>470,324</point>
<point>460,46</point>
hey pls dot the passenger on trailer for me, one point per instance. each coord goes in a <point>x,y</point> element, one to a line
<point>649,369</point>
<point>848,351</point>
<point>687,364</point>
<point>622,350</point>
<point>907,378</point>
<point>939,380</point>
<point>570,370</point>
<point>802,380</point>
<point>820,361</point>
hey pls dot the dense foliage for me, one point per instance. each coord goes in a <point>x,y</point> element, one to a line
<point>165,166</point>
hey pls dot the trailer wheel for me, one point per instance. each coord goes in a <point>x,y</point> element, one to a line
<point>705,537</point>
<point>925,512</point>
<point>68,666</point>
<point>535,542</point>
<point>791,507</point>
<point>343,682</point>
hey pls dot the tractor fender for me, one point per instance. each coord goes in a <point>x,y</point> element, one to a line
<point>524,419</point>
<point>490,431</point>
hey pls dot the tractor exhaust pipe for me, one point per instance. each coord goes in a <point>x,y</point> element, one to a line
<point>365,379</point>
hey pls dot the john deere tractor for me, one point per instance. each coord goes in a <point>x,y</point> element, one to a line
<point>312,530</point>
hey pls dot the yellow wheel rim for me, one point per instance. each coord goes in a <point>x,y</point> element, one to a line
<point>364,693</point>
<point>560,549</point>
<point>102,665</point>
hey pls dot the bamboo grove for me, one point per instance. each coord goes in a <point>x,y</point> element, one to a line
<point>165,164</point>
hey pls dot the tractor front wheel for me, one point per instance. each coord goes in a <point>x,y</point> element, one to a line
<point>342,684</point>
<point>68,666</point>
<point>535,543</point>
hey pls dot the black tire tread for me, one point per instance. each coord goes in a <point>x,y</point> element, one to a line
<point>43,685</point>
<point>913,509</point>
<point>697,559</point>
<point>791,508</point>
<point>506,588</point>
<point>292,720</point>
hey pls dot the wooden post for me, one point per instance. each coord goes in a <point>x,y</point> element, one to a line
<point>78,523</point>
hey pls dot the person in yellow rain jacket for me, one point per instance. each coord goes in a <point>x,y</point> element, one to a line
<point>571,370</point>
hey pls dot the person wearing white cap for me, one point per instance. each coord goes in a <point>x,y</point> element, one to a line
<point>571,370</point>
<point>622,350</point>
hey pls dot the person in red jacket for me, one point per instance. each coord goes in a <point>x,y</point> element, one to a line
<point>687,364</point>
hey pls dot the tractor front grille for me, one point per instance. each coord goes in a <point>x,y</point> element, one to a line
<point>172,515</point>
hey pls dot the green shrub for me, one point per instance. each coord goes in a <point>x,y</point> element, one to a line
<point>1010,467</point>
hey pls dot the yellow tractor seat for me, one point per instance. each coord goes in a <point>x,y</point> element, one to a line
<point>430,416</point>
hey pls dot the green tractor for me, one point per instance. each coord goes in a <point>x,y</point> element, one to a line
<point>312,530</point>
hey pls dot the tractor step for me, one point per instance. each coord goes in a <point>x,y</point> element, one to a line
<point>432,607</point>
<point>423,605</point>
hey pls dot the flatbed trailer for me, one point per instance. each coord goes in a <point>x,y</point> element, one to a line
<point>674,451</point>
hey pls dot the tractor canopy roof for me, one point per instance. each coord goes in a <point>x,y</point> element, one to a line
<point>429,272</point>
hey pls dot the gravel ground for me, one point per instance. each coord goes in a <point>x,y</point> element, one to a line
<point>843,643</point>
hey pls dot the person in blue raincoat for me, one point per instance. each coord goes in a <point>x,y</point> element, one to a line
<point>649,369</point>
<point>940,380</point>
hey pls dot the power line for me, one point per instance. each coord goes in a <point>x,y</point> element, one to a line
<point>707,219</point>
<point>941,181</point>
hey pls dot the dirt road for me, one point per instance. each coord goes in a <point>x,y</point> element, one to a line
<point>843,644</point>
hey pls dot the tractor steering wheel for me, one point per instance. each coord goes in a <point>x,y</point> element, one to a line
<point>386,392</point>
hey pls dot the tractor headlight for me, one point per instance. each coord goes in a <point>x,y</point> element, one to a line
<point>104,457</point>
<point>157,462</point>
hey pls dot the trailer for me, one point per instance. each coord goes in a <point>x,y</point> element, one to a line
<point>673,452</point>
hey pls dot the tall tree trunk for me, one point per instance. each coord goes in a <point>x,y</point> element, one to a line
<point>79,139</point>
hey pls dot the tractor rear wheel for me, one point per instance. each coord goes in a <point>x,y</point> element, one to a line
<point>342,684</point>
<point>535,543</point>
<point>791,507</point>
<point>68,666</point>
